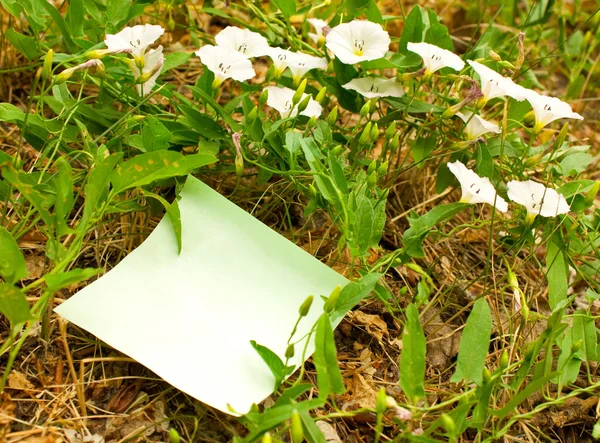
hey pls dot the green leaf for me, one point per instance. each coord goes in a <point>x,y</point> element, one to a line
<point>584,329</point>
<point>63,204</point>
<point>55,282</point>
<point>60,22</point>
<point>312,433</point>
<point>12,262</point>
<point>203,124</point>
<point>413,29</point>
<point>421,227</point>
<point>273,361</point>
<point>557,271</point>
<point>117,12</point>
<point>474,344</point>
<point>575,163</point>
<point>438,35</point>
<point>485,162</point>
<point>329,377</point>
<point>287,7</point>
<point>412,359</point>
<point>146,168</point>
<point>25,45</point>
<point>363,226</point>
<point>74,17</point>
<point>422,149</point>
<point>235,126</point>
<point>354,292</point>
<point>174,215</point>
<point>10,113</point>
<point>155,136</point>
<point>13,304</point>
<point>175,59</point>
<point>96,188</point>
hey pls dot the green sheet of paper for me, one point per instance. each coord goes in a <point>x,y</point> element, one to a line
<point>190,317</point>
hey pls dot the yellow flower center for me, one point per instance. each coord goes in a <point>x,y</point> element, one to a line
<point>359,46</point>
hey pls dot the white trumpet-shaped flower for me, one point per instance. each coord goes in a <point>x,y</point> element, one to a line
<point>226,63</point>
<point>146,78</point>
<point>281,59</point>
<point>357,41</point>
<point>537,199</point>
<point>281,100</point>
<point>547,109</point>
<point>495,85</point>
<point>244,41</point>
<point>476,126</point>
<point>134,39</point>
<point>371,87</point>
<point>318,24</point>
<point>476,189</point>
<point>436,58</point>
<point>300,63</point>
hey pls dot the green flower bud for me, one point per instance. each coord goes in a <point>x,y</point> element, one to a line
<point>239,165</point>
<point>296,428</point>
<point>312,192</point>
<point>383,169</point>
<point>372,180</point>
<point>252,115</point>
<point>47,67</point>
<point>174,436</point>
<point>289,352</point>
<point>333,116</point>
<point>64,76</point>
<point>337,149</point>
<point>381,402</point>
<point>395,143</point>
<point>305,306</point>
<point>299,93</point>
<point>365,137</point>
<point>312,122</point>
<point>449,424</point>
<point>374,132</point>
<point>529,118</point>
<point>364,111</point>
<point>487,376</point>
<point>372,167</point>
<point>321,95</point>
<point>331,302</point>
<point>562,136</point>
<point>504,360</point>
<point>390,131</point>
<point>590,197</point>
<point>303,104</point>
<point>576,346</point>
<point>264,97</point>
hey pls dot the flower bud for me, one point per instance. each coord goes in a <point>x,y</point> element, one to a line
<point>239,164</point>
<point>312,122</point>
<point>252,115</point>
<point>303,104</point>
<point>383,169</point>
<point>321,95</point>
<point>299,93</point>
<point>174,436</point>
<point>365,137</point>
<point>47,67</point>
<point>372,180</point>
<point>364,111</point>
<point>448,423</point>
<point>577,346</point>
<point>381,402</point>
<point>333,116</point>
<point>336,150</point>
<point>312,192</point>
<point>395,143</point>
<point>374,132</point>
<point>64,76</point>
<point>562,136</point>
<point>264,97</point>
<point>529,118</point>
<point>267,438</point>
<point>390,131</point>
<point>504,360</point>
<point>305,306</point>
<point>590,197</point>
<point>296,428</point>
<point>494,56</point>
<point>487,376</point>
<point>372,167</point>
<point>289,352</point>
<point>331,302</point>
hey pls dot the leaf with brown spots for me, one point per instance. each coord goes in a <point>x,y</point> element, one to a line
<point>145,168</point>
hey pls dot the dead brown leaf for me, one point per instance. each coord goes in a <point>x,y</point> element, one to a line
<point>374,324</point>
<point>18,380</point>
<point>442,340</point>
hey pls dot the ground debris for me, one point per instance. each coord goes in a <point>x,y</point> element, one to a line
<point>574,410</point>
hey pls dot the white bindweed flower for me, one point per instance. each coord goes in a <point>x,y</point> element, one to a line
<point>476,189</point>
<point>146,78</point>
<point>358,41</point>
<point>372,87</point>
<point>318,24</point>
<point>134,39</point>
<point>281,59</point>
<point>547,109</point>
<point>225,63</point>
<point>476,126</point>
<point>300,63</point>
<point>537,199</point>
<point>495,85</point>
<point>436,58</point>
<point>244,41</point>
<point>281,99</point>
